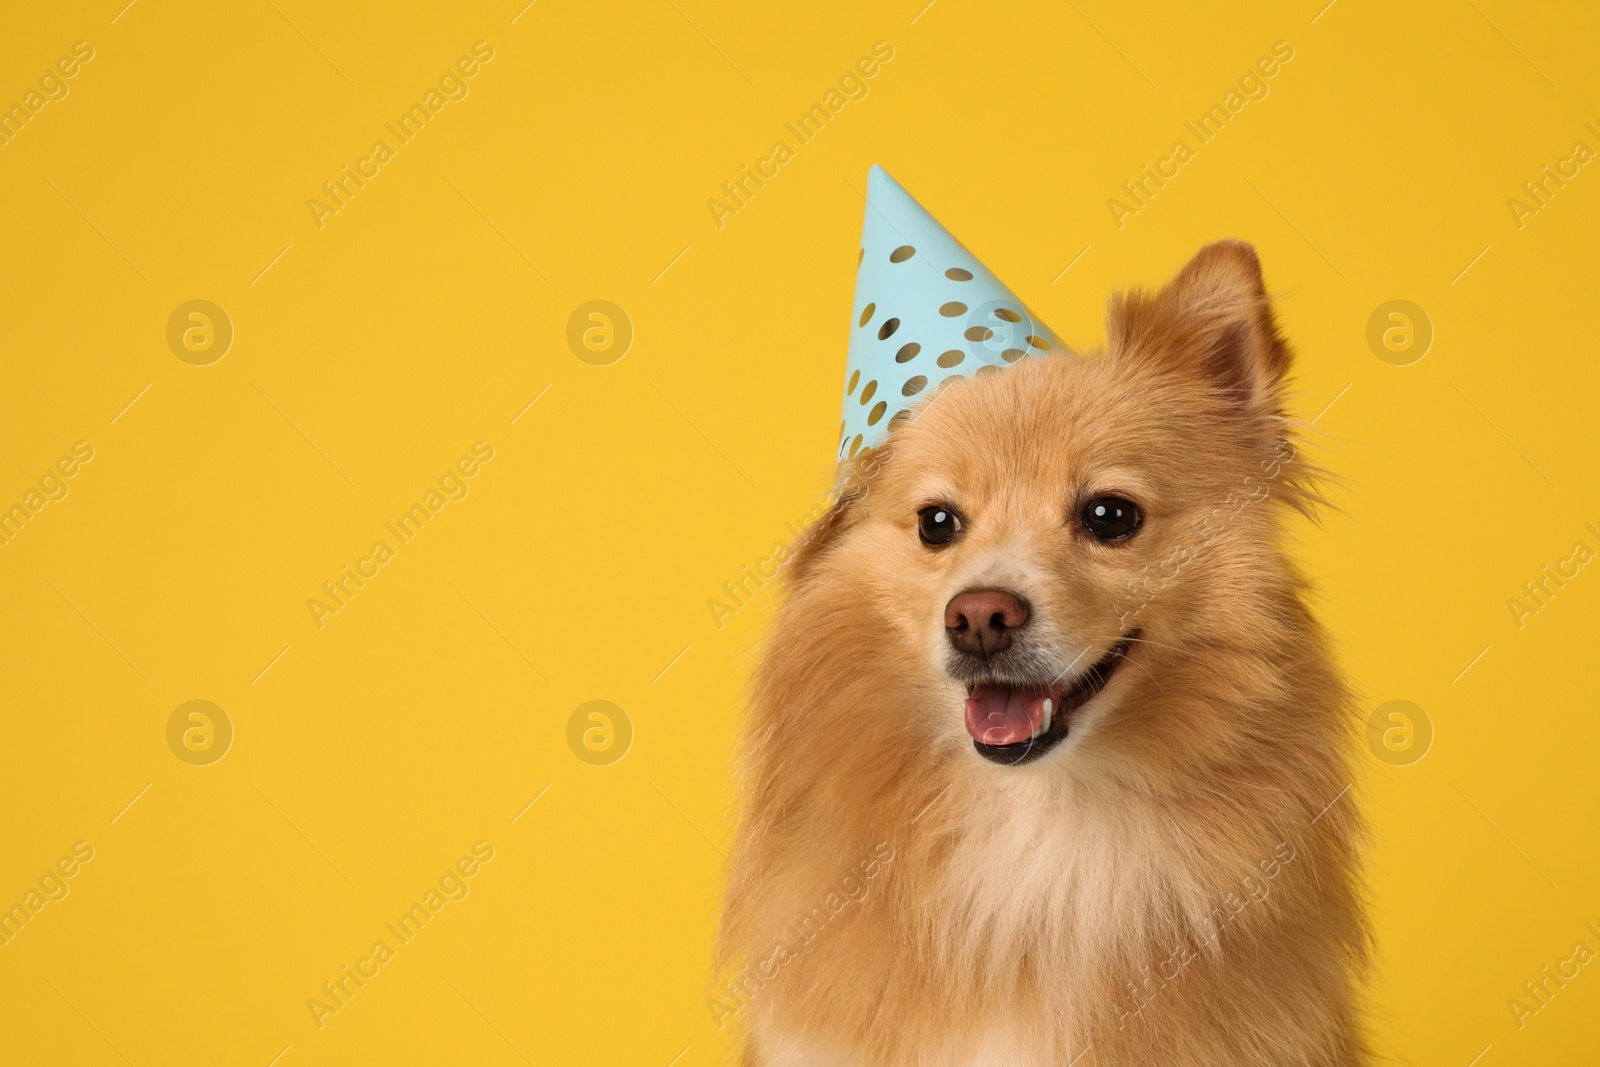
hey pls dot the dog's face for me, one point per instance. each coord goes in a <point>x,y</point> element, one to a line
<point>1019,511</point>
<point>1042,536</point>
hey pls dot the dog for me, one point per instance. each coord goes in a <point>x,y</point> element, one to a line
<point>1046,760</point>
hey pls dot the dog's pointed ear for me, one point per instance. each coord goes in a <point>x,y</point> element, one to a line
<point>1214,322</point>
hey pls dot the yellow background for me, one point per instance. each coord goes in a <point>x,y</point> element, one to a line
<point>433,308</point>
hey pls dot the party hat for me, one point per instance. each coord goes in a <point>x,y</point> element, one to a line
<point>925,311</point>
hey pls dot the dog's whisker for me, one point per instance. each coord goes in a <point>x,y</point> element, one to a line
<point>1086,650</point>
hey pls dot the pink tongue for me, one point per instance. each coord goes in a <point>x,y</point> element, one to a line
<point>1001,715</point>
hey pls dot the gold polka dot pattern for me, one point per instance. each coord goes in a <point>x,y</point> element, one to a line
<point>918,288</point>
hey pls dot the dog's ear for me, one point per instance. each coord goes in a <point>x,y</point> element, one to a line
<point>856,479</point>
<point>1214,322</point>
<point>815,540</point>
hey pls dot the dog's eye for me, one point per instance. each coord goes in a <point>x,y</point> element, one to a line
<point>1111,518</point>
<point>937,525</point>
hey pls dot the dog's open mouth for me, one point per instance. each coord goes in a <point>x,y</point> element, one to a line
<point>1012,724</point>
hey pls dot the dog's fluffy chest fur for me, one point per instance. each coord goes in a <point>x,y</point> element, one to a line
<point>1046,931</point>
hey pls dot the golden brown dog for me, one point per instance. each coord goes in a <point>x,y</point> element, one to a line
<point>1047,763</point>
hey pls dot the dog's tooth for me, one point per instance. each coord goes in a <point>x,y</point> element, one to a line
<point>1049,711</point>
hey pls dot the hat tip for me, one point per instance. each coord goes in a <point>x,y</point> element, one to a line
<point>881,183</point>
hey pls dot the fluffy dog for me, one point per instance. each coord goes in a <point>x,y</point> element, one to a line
<point>1046,761</point>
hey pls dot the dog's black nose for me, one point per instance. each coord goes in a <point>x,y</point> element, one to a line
<point>980,622</point>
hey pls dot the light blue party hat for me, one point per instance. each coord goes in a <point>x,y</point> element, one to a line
<point>925,311</point>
